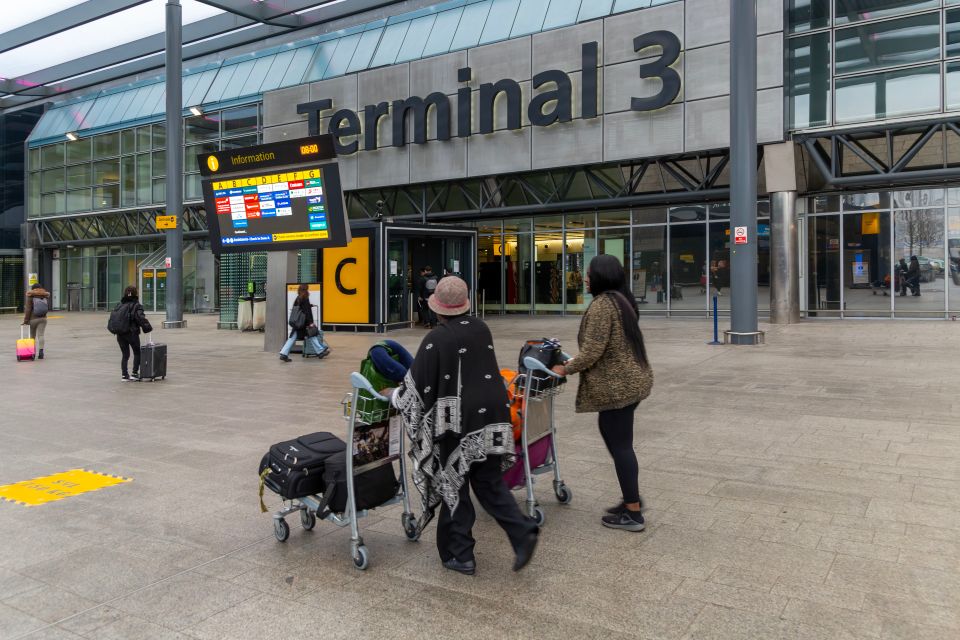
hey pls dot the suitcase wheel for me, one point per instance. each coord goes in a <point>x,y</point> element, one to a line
<point>281,529</point>
<point>307,520</point>
<point>539,516</point>
<point>361,559</point>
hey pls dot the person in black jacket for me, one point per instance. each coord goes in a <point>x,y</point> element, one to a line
<point>911,278</point>
<point>309,326</point>
<point>131,338</point>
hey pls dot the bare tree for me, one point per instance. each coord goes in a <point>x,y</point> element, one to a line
<point>920,228</point>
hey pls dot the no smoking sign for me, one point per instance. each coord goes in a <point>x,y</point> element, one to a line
<point>740,235</point>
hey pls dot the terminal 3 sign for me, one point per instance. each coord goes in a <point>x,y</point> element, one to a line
<point>552,101</point>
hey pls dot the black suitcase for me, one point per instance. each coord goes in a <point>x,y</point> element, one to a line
<point>153,361</point>
<point>312,463</point>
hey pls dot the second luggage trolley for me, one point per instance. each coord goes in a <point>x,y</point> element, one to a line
<point>540,387</point>
<point>363,415</point>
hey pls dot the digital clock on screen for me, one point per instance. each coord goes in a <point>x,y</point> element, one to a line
<point>307,149</point>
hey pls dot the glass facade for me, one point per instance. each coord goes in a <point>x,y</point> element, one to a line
<point>126,169</point>
<point>859,246</point>
<point>851,62</point>
<point>675,257</point>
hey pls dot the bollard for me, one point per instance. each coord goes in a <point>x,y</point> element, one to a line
<point>716,330</point>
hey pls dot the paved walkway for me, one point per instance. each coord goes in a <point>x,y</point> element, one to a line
<point>809,488</point>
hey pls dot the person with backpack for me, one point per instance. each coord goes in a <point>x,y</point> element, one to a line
<point>304,327</point>
<point>126,321</point>
<point>35,308</point>
<point>427,287</point>
<point>455,412</point>
<point>615,376</point>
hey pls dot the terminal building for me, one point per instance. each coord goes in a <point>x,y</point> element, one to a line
<point>510,141</point>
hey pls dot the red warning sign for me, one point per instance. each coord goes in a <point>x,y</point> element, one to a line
<point>740,235</point>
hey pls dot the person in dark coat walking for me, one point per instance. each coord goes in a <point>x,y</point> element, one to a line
<point>308,332</point>
<point>911,278</point>
<point>130,339</point>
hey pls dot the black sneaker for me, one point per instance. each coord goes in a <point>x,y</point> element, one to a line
<point>620,508</point>
<point>284,358</point>
<point>626,520</point>
<point>124,378</point>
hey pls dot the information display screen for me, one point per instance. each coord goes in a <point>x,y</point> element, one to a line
<point>277,201</point>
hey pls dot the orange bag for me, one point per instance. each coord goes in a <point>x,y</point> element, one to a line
<point>515,398</point>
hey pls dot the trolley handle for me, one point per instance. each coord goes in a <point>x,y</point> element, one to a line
<point>359,382</point>
<point>535,365</point>
<point>566,356</point>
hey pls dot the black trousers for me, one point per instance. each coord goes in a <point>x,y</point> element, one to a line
<point>455,531</point>
<point>616,428</point>
<point>128,341</point>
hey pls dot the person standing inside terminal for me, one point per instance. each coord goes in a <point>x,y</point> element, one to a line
<point>130,339</point>
<point>615,376</point>
<point>35,308</point>
<point>455,412</point>
<point>428,285</point>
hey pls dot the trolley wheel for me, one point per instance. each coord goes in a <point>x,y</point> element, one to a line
<point>281,529</point>
<point>539,516</point>
<point>410,527</point>
<point>361,559</point>
<point>564,494</point>
<point>307,520</point>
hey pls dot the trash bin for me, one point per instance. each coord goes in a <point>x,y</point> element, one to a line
<point>245,313</point>
<point>259,314</point>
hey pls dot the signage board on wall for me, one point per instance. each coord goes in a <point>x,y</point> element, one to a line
<point>313,289</point>
<point>275,197</point>
<point>346,283</point>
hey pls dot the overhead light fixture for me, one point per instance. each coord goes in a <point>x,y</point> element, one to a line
<point>197,111</point>
<point>72,137</point>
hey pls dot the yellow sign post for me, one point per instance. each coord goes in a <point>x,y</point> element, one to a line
<point>166,222</point>
<point>346,283</point>
<point>30,493</point>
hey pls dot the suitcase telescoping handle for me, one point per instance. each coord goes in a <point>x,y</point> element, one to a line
<point>150,338</point>
<point>22,327</point>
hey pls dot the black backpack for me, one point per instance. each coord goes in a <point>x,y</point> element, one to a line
<point>120,318</point>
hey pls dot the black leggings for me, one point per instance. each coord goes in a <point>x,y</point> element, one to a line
<point>616,427</point>
<point>129,341</point>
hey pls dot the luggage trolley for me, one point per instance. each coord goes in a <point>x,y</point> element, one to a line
<point>537,424</point>
<point>358,411</point>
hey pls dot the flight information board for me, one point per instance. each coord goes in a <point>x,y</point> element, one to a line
<point>277,201</point>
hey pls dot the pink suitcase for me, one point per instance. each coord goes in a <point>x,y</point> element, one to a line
<point>539,454</point>
<point>26,346</point>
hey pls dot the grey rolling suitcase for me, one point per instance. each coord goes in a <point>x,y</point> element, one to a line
<point>153,360</point>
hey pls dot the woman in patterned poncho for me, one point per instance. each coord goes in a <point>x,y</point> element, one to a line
<point>455,412</point>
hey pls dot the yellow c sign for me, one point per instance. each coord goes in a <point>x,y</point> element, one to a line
<point>213,163</point>
<point>346,283</point>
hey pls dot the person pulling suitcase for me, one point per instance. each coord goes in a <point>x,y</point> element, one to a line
<point>127,320</point>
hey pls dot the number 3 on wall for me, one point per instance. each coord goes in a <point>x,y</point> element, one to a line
<point>659,68</point>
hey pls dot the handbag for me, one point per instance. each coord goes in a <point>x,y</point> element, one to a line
<point>313,331</point>
<point>297,318</point>
<point>547,352</point>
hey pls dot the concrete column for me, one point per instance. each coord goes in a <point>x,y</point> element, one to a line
<point>281,269</point>
<point>784,265</point>
<point>174,64</point>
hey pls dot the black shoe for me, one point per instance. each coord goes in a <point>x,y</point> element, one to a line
<point>620,508</point>
<point>323,354</point>
<point>40,355</point>
<point>525,552</point>
<point>626,520</point>
<point>135,377</point>
<point>124,378</point>
<point>467,568</point>
<point>284,358</point>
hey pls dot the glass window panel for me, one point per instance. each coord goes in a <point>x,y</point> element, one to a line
<point>613,219</point>
<point>616,243</point>
<point>951,31</point>
<point>138,104</point>
<point>917,198</point>
<point>883,44</point>
<point>33,194</point>
<point>340,59</point>
<point>390,44</point>
<point>416,38</point>
<point>94,116</point>
<point>653,215</point>
<point>52,180</point>
<point>649,259</point>
<point>121,107</point>
<point>629,5</point>
<point>128,141</point>
<point>204,81</point>
<point>951,85</point>
<point>154,104</point>
<point>952,266</point>
<point>235,87</point>
<point>79,150</point>
<point>517,224</point>
<point>159,190</point>
<point>871,9</point>
<point>471,25</point>
<point>866,201</point>
<point>278,68</point>
<point>106,171</point>
<point>107,197</point>
<point>530,17</point>
<point>688,213</point>
<point>187,87</point>
<point>489,272</point>
<point>52,203</point>
<point>78,200</point>
<point>202,127</point>
<point>128,173</point>
<point>548,280</point>
<point>867,274</point>
<point>688,266</point>
<point>888,94</point>
<point>33,159</point>
<point>298,66</point>
<point>517,267</point>
<point>561,13</point>
<point>220,83</point>
<point>106,145</point>
<point>143,138</point>
<point>159,163</point>
<point>808,63</point>
<point>159,132</point>
<point>51,155</point>
<point>260,69</point>
<point>365,48</point>
<point>542,223</point>
<point>594,9</point>
<point>581,247</point>
<point>191,152</point>
<point>321,59</point>
<point>79,175</point>
<point>803,15</point>
<point>717,273</point>
<point>919,233</point>
<point>580,220</point>
<point>443,31</point>
<point>240,120</point>
<point>143,178</point>
<point>191,187</point>
<point>499,21</point>
<point>237,143</point>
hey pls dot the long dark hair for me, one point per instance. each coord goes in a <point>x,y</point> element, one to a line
<point>606,275</point>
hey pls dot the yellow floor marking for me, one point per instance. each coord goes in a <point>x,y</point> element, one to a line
<point>30,493</point>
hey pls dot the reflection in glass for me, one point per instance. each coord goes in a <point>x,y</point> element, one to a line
<point>79,175</point>
<point>489,272</point>
<point>499,20</point>
<point>951,31</point>
<point>951,86</point>
<point>884,44</point>
<point>106,145</point>
<point>803,15</point>
<point>868,279</point>
<point>688,267</point>
<point>561,13</point>
<point>390,44</point>
<point>342,56</point>
<point>871,9</point>
<point>548,281</point>
<point>581,248</point>
<point>594,9</point>
<point>442,33</point>
<point>364,53</point>
<point>688,213</point>
<point>613,219</point>
<point>649,262</point>
<point>79,150</point>
<point>718,267</point>
<point>529,18</point>
<point>823,265</point>
<point>239,120</point>
<point>517,272</point>
<point>471,24</point>
<point>202,127</point>
<point>808,64</point>
<point>952,266</point>
<point>919,233</point>
<point>889,94</point>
